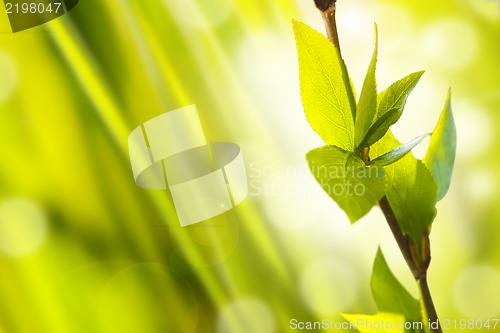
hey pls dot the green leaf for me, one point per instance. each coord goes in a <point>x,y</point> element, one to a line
<point>398,153</point>
<point>351,92</point>
<point>380,323</point>
<point>367,106</point>
<point>411,191</point>
<point>391,103</point>
<point>355,187</point>
<point>396,95</point>
<point>440,156</point>
<point>377,130</point>
<point>389,294</point>
<point>326,92</point>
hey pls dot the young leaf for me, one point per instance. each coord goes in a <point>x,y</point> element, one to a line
<point>389,294</point>
<point>398,153</point>
<point>440,156</point>
<point>379,126</point>
<point>355,187</point>
<point>411,191</point>
<point>325,89</point>
<point>396,95</point>
<point>380,323</point>
<point>367,106</point>
<point>391,103</point>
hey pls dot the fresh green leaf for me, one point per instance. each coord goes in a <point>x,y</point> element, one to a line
<point>440,156</point>
<point>391,103</point>
<point>379,128</point>
<point>389,294</point>
<point>355,187</point>
<point>380,323</point>
<point>367,105</point>
<point>411,191</point>
<point>396,95</point>
<point>326,91</point>
<point>351,92</point>
<point>398,153</point>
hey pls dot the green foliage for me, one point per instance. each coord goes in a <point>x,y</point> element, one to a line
<point>355,187</point>
<point>391,103</point>
<point>367,106</point>
<point>324,89</point>
<point>389,294</point>
<point>327,97</point>
<point>363,162</point>
<point>440,156</point>
<point>411,190</point>
<point>395,305</point>
<point>397,153</point>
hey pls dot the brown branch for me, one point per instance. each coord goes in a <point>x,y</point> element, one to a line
<point>401,239</point>
<point>429,304</point>
<point>419,270</point>
<point>328,8</point>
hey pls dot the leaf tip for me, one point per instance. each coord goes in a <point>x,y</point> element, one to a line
<point>448,96</point>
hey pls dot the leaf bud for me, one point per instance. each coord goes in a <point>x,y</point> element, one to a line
<point>323,5</point>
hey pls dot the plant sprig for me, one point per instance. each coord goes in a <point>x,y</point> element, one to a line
<point>361,152</point>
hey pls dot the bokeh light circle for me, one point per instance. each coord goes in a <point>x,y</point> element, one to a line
<point>210,243</point>
<point>8,75</point>
<point>23,227</point>
<point>246,315</point>
<point>289,202</point>
<point>452,44</point>
<point>78,293</point>
<point>328,286</point>
<point>481,186</point>
<point>474,128</point>
<point>149,298</point>
<point>476,292</point>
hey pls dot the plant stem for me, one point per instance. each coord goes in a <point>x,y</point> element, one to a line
<point>418,267</point>
<point>400,237</point>
<point>428,304</point>
<point>429,314</point>
<point>328,14</point>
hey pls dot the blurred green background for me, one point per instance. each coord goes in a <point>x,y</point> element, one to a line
<point>83,249</point>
